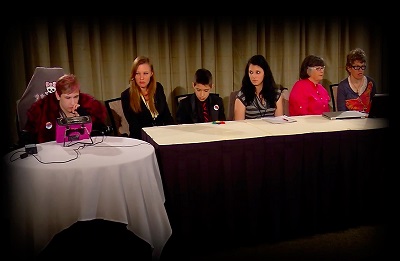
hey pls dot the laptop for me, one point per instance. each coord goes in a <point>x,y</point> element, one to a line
<point>341,115</point>
<point>73,129</point>
<point>379,106</point>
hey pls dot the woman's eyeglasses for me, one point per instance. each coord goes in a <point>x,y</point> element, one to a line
<point>355,67</point>
<point>317,68</point>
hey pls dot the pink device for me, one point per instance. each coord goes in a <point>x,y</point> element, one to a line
<point>73,129</point>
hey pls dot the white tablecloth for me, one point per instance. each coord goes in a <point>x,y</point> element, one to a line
<point>233,130</point>
<point>117,180</point>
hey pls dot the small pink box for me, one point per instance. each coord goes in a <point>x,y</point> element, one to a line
<point>73,129</point>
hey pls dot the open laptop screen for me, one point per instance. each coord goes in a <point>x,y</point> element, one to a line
<point>379,106</point>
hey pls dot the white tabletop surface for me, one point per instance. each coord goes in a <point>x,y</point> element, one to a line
<point>317,123</point>
<point>117,180</point>
<point>232,130</point>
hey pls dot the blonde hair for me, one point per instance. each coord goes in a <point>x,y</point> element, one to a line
<point>134,90</point>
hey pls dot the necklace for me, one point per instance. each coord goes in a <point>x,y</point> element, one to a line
<point>261,100</point>
<point>145,93</point>
<point>356,86</point>
<point>154,114</point>
<point>260,105</point>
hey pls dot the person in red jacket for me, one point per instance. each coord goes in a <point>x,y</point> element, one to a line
<point>308,96</point>
<point>66,101</point>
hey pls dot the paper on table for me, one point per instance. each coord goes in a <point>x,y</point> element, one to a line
<point>279,119</point>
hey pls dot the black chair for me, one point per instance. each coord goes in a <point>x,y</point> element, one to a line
<point>180,97</point>
<point>43,82</point>
<point>285,93</point>
<point>117,118</point>
<point>333,89</point>
<point>232,98</point>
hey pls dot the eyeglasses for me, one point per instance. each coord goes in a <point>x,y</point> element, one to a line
<point>317,68</point>
<point>355,67</point>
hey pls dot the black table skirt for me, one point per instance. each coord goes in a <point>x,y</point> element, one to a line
<point>274,188</point>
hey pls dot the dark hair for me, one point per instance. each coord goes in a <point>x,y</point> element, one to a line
<point>357,54</point>
<point>310,61</point>
<point>203,76</point>
<point>269,89</point>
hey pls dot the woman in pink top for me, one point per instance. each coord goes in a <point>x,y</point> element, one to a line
<point>308,96</point>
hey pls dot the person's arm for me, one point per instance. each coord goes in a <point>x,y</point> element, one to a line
<point>135,127</point>
<point>374,88</point>
<point>29,133</point>
<point>298,102</point>
<point>162,106</point>
<point>184,112</point>
<point>279,106</point>
<point>93,108</point>
<point>41,120</point>
<point>239,110</point>
<point>221,110</point>
<point>341,95</point>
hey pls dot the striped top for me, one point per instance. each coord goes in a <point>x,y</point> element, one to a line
<point>256,109</point>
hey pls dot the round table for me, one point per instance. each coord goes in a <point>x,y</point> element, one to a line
<point>115,178</point>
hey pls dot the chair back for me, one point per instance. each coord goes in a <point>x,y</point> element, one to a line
<point>42,83</point>
<point>231,108</point>
<point>333,89</point>
<point>285,95</point>
<point>180,97</point>
<point>117,118</point>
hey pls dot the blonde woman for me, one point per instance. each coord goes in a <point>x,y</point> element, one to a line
<point>144,103</point>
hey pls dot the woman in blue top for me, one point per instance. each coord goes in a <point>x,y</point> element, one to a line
<point>356,91</point>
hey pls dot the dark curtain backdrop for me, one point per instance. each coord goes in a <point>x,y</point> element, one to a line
<point>100,50</point>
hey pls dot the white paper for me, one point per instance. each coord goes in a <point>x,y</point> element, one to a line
<point>279,119</point>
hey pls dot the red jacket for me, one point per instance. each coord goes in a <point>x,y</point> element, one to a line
<point>45,112</point>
